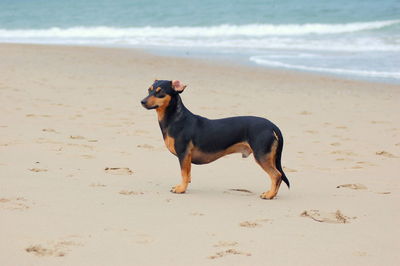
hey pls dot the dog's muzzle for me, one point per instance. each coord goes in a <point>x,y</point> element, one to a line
<point>144,104</point>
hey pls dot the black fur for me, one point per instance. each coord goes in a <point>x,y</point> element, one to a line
<point>211,136</point>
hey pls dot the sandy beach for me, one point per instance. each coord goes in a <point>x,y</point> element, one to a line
<point>85,175</point>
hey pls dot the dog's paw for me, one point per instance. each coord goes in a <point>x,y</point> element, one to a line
<point>267,195</point>
<point>179,189</point>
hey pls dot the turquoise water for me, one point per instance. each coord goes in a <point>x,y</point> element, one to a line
<point>357,39</point>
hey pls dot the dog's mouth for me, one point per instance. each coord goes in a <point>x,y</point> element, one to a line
<point>150,107</point>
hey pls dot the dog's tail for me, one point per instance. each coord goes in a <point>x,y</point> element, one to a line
<point>279,155</point>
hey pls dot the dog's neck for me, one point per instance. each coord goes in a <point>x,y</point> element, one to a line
<point>175,112</point>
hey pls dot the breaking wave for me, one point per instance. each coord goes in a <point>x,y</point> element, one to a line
<point>251,30</point>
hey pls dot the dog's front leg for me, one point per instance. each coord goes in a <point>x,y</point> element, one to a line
<point>185,162</point>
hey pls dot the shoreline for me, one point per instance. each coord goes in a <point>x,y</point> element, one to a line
<point>85,175</point>
<point>245,60</point>
<point>217,58</point>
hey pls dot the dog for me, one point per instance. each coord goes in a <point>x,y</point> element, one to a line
<point>198,140</point>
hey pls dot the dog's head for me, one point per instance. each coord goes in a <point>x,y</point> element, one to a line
<point>161,93</point>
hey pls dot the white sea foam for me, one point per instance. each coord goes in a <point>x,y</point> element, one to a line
<point>377,36</point>
<point>346,44</point>
<point>251,30</point>
<point>253,36</point>
<point>366,73</point>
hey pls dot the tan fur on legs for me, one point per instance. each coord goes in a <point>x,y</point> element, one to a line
<point>269,166</point>
<point>186,166</point>
<point>276,181</point>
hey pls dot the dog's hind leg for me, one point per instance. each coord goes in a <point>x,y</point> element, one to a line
<point>268,163</point>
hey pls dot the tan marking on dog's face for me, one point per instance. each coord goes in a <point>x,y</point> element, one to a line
<point>170,143</point>
<point>159,103</point>
<point>162,106</point>
<point>158,89</point>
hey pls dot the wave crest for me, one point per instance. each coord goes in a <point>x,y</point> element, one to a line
<point>355,72</point>
<point>250,30</point>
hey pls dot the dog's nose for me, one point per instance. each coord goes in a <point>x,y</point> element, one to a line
<point>143,102</point>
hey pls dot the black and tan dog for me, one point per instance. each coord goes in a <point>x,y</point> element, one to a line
<point>198,140</point>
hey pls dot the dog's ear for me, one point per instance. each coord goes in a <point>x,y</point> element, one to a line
<point>178,86</point>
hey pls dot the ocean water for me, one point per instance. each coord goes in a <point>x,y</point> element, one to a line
<point>351,38</point>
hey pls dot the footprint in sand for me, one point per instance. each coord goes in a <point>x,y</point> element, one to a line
<point>130,192</point>
<point>249,224</point>
<point>118,171</point>
<point>241,191</point>
<point>226,244</point>
<point>344,152</point>
<point>97,185</point>
<point>37,170</point>
<point>34,115</point>
<point>324,217</point>
<point>379,122</point>
<point>52,248</point>
<point>145,146</point>
<point>76,137</point>
<point>197,214</point>
<point>14,204</point>
<point>50,130</point>
<point>362,163</point>
<point>40,251</point>
<point>311,131</point>
<point>254,224</point>
<point>386,154</point>
<point>227,252</point>
<point>305,113</point>
<point>353,186</point>
<point>80,146</point>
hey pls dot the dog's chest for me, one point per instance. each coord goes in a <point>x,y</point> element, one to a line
<point>170,143</point>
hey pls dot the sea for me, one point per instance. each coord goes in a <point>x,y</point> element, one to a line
<point>356,39</point>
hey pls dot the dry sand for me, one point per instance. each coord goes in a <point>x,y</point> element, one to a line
<point>85,176</point>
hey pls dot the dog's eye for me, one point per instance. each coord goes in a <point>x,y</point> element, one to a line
<point>160,94</point>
